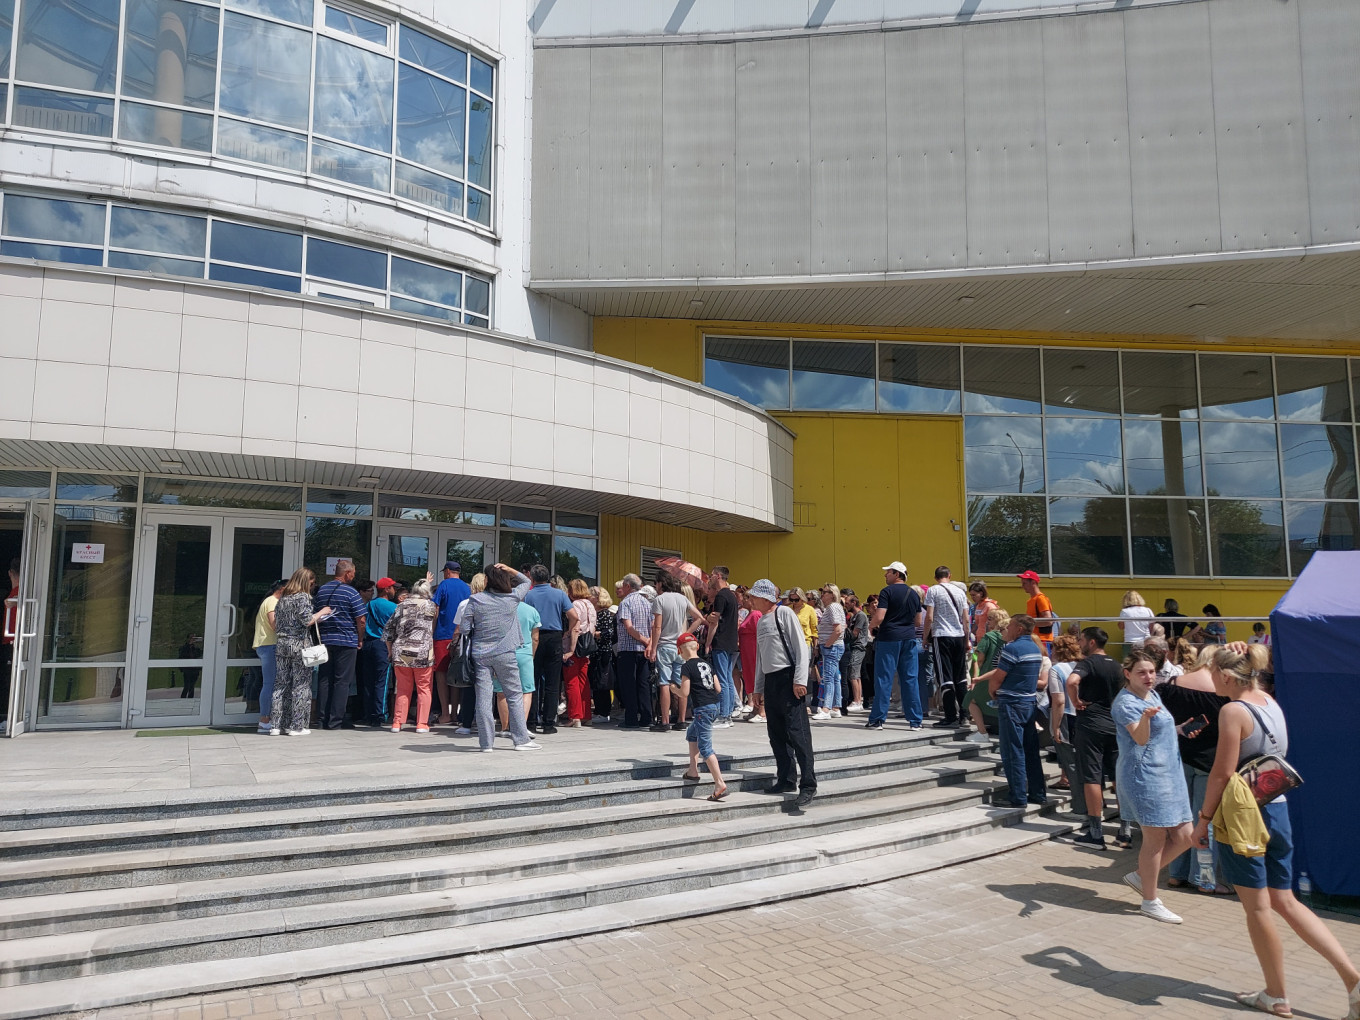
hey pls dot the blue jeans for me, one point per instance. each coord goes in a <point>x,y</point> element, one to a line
<point>1017,720</point>
<point>1196,782</point>
<point>722,665</point>
<point>701,729</point>
<point>900,658</point>
<point>268,670</point>
<point>371,670</point>
<point>829,690</point>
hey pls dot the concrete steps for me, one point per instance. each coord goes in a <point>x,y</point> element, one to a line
<point>130,908</point>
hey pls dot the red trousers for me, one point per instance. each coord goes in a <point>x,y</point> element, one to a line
<point>421,679</point>
<point>576,679</point>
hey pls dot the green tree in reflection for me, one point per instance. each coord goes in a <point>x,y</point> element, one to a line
<point>1006,534</point>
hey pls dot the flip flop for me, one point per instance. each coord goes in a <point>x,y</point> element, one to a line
<point>719,794</point>
<point>688,778</point>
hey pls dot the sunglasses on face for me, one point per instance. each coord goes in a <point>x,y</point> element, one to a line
<point>794,598</point>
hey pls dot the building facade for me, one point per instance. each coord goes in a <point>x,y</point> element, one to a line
<point>800,288</point>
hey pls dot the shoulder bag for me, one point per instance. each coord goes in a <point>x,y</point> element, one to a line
<point>1268,776</point>
<point>315,654</point>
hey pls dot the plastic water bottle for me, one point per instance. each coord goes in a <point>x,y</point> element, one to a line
<point>1305,884</point>
<point>1204,868</point>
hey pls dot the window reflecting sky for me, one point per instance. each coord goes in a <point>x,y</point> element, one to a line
<point>51,219</point>
<point>999,380</point>
<point>1240,459</point>
<point>169,74</point>
<point>1319,461</point>
<point>1162,458</point>
<point>1312,389</point>
<point>71,43</point>
<point>265,71</point>
<point>430,121</point>
<point>353,95</point>
<point>147,230</point>
<point>1084,456</point>
<point>1003,454</point>
<point>1236,386</point>
<point>428,283</point>
<point>833,376</point>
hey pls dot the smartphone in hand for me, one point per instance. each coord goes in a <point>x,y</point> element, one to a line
<point>1192,726</point>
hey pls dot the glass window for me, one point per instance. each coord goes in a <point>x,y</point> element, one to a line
<point>479,142</point>
<point>1246,538</point>
<point>1319,461</point>
<point>577,524</point>
<point>427,188</point>
<point>1003,454</point>
<point>1313,526</point>
<point>147,230</point>
<point>1162,458</point>
<point>1160,385</point>
<point>339,501</point>
<point>258,144</point>
<point>1084,456</point>
<point>257,246</point>
<point>1312,389</point>
<point>64,112</point>
<point>296,11</point>
<point>87,609</point>
<point>430,121</point>
<point>478,296</point>
<point>833,376</point>
<point>755,370</point>
<point>576,557</point>
<point>1007,534</point>
<point>923,378</point>
<point>401,304</point>
<point>483,76</point>
<point>1168,537</point>
<point>70,43</point>
<point>439,57</point>
<point>1236,386</point>
<point>525,549</point>
<point>1081,382</point>
<point>1088,536</point>
<point>353,166</point>
<point>1001,380</point>
<point>197,492</point>
<point>266,71</point>
<point>97,488</point>
<point>160,125</point>
<point>156,264</point>
<point>346,263</point>
<point>479,206</point>
<point>353,95</point>
<point>526,518</point>
<point>352,24</point>
<point>337,537</point>
<point>6,30</point>
<point>51,219</point>
<point>25,484</point>
<point>52,253</point>
<point>1240,459</point>
<point>427,283</point>
<point>170,52</point>
<point>255,278</point>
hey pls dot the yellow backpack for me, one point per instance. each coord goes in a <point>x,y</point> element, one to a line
<point>1238,823</point>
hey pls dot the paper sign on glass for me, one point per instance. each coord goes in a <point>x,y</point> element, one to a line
<point>331,561</point>
<point>87,552</point>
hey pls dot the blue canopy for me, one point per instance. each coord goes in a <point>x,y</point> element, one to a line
<point>1315,638</point>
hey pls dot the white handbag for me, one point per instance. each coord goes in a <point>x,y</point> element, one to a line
<point>315,655</point>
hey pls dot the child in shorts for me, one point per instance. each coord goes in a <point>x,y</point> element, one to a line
<point>703,687</point>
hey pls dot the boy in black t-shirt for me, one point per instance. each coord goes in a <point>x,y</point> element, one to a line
<point>703,686</point>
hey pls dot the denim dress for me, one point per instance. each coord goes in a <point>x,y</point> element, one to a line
<point>1151,779</point>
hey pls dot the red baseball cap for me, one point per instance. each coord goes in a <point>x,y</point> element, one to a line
<point>685,639</point>
<point>1029,575</point>
<point>385,582</point>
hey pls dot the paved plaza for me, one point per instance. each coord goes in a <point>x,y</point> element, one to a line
<point>1043,932</point>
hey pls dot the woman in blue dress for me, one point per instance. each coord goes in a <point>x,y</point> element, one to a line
<point>1151,779</point>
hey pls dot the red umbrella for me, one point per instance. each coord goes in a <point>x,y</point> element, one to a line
<point>682,570</point>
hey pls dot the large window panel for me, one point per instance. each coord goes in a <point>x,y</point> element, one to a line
<point>69,43</point>
<point>576,557</point>
<point>259,144</point>
<point>1160,385</point>
<point>1089,536</point>
<point>64,112</point>
<point>1080,381</point>
<point>428,188</point>
<point>258,246</point>
<point>1312,389</point>
<point>1328,527</point>
<point>427,283</point>
<point>1237,386</point>
<point>1161,458</point>
<point>1246,538</point>
<point>297,11</point>
<point>147,230</point>
<point>266,71</point>
<point>1168,537</point>
<point>1084,456</point>
<point>755,370</point>
<point>520,550</point>
<point>170,52</point>
<point>1001,380</point>
<point>1319,461</point>
<point>479,143</point>
<point>921,378</point>
<point>353,95</point>
<point>1240,459</point>
<point>52,219</point>
<point>160,125</point>
<point>439,57</point>
<point>833,376</point>
<point>1007,534</point>
<point>343,539</point>
<point>331,260</point>
<point>1003,454</point>
<point>87,607</point>
<point>6,31</point>
<point>430,121</point>
<point>351,165</point>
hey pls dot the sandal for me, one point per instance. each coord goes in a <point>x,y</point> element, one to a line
<point>1177,883</point>
<point>688,778</point>
<point>1354,999</point>
<point>721,792</point>
<point>1265,1003</point>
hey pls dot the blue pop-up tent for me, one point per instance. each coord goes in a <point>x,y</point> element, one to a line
<point>1315,634</point>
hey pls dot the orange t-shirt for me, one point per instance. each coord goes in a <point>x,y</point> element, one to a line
<point>1036,607</point>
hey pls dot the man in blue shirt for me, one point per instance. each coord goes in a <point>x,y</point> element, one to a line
<point>897,626</point>
<point>554,608</point>
<point>452,592</point>
<point>372,660</point>
<point>340,634</point>
<point>1021,672</point>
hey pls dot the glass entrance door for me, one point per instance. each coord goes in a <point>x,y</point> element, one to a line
<point>406,551</point>
<point>203,579</point>
<point>20,531</point>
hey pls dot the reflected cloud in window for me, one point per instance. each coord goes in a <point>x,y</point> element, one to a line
<point>755,370</point>
<point>833,376</point>
<point>1003,454</point>
<point>1328,527</point>
<point>69,43</point>
<point>266,71</point>
<point>1312,389</point>
<point>1162,458</point>
<point>51,219</point>
<point>1236,386</point>
<point>1084,456</point>
<point>353,95</point>
<point>146,230</point>
<point>1319,461</point>
<point>921,378</point>
<point>1240,459</point>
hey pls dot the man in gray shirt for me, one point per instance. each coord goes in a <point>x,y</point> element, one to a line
<point>781,676</point>
<point>947,630</point>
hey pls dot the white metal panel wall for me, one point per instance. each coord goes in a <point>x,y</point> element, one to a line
<point>699,193</point>
<point>927,223</point>
<point>849,230</point>
<point>1003,90</point>
<point>626,159</point>
<point>773,145</point>
<point>1090,210</point>
<point>562,155</point>
<point>1258,109</point>
<point>1330,38</point>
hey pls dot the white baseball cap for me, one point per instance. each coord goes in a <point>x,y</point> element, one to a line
<point>897,565</point>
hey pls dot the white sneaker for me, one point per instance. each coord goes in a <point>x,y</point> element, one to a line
<point>855,708</point>
<point>396,729</point>
<point>486,750</point>
<point>529,745</point>
<point>1134,881</point>
<point>723,724</point>
<point>561,708</point>
<point>298,733</point>
<point>275,732</point>
<point>463,731</point>
<point>821,714</point>
<point>1156,910</point>
<point>978,738</point>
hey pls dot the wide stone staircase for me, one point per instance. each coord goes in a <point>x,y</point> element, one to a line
<point>132,901</point>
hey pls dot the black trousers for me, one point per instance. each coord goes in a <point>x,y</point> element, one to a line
<point>790,734</point>
<point>951,673</point>
<point>335,679</point>
<point>548,676</point>
<point>635,687</point>
<point>602,682</point>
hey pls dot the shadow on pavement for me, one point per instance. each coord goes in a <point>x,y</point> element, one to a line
<point>1033,895</point>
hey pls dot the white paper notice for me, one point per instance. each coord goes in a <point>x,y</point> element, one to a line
<point>331,561</point>
<point>87,552</point>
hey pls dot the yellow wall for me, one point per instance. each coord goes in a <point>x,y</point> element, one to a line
<point>869,489</point>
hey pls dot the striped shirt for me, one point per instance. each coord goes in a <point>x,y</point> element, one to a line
<point>347,608</point>
<point>637,611</point>
<point>1021,661</point>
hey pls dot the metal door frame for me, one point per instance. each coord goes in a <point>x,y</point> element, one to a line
<point>26,674</point>
<point>438,535</point>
